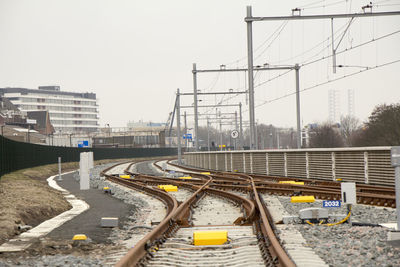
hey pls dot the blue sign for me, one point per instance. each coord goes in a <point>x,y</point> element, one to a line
<point>84,143</point>
<point>187,136</point>
<point>331,203</point>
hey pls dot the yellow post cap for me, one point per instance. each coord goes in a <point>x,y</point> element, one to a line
<point>79,237</point>
<point>106,188</point>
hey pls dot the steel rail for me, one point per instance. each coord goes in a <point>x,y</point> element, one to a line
<point>275,247</point>
<point>178,216</point>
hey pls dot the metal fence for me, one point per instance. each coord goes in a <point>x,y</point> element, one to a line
<point>18,155</point>
<point>370,165</point>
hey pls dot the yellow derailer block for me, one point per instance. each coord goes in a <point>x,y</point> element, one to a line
<point>204,238</point>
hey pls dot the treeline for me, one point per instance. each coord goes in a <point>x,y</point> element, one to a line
<point>381,129</point>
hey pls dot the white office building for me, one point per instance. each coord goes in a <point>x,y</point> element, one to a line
<point>69,112</point>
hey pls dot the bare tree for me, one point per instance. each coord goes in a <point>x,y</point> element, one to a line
<point>348,127</point>
<point>325,135</point>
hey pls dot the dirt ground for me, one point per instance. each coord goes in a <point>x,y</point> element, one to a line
<point>26,198</point>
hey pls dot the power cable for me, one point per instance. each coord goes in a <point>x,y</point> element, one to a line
<point>351,48</point>
<point>329,81</point>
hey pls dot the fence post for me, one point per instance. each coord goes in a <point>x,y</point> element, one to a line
<point>285,163</point>
<point>216,161</point>
<point>266,163</point>
<point>244,162</point>
<point>366,167</point>
<point>231,162</point>
<point>333,166</point>
<point>251,163</point>
<point>307,166</point>
<point>226,161</point>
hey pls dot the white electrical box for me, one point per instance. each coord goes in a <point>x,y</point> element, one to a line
<point>395,155</point>
<point>349,193</point>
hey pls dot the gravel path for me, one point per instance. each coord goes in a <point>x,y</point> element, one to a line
<point>342,245</point>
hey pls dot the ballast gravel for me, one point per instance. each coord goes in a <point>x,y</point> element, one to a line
<point>344,245</point>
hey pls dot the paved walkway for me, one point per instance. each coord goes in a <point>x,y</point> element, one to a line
<point>88,223</point>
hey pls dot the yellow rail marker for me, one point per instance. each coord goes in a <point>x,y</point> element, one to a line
<point>106,188</point>
<point>302,199</point>
<point>168,187</point>
<point>204,238</point>
<point>79,237</point>
<point>206,173</point>
<point>185,177</point>
<point>291,182</point>
<point>124,176</point>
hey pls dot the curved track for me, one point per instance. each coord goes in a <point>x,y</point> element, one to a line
<point>223,201</point>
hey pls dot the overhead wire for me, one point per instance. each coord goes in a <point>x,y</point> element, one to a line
<point>329,81</point>
<point>351,48</point>
<point>326,5</point>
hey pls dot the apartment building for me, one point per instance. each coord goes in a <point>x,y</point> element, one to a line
<point>69,112</point>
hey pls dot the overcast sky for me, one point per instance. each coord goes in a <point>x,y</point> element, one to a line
<point>135,54</point>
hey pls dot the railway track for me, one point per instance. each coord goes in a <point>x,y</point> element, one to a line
<point>366,194</point>
<point>250,228</point>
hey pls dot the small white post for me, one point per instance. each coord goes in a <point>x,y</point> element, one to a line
<point>84,171</point>
<point>59,169</point>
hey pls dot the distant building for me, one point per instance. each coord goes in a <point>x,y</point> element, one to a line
<point>334,105</point>
<point>351,103</point>
<point>142,124</point>
<point>68,112</point>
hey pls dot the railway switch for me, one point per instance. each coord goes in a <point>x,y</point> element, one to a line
<point>205,238</point>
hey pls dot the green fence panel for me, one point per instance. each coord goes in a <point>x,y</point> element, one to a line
<point>18,155</point>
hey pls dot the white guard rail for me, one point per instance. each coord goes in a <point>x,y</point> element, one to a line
<point>370,165</point>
